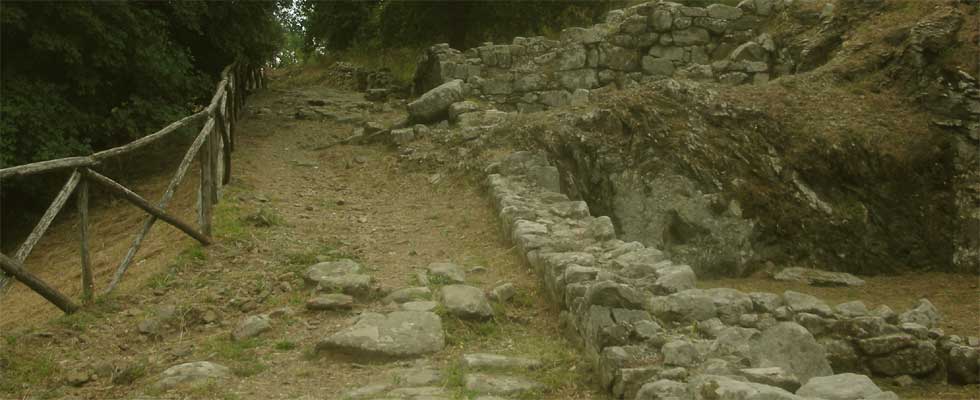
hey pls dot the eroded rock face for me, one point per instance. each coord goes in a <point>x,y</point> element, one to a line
<point>401,334</point>
<point>670,213</point>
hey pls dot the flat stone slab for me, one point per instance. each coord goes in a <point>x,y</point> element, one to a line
<point>192,374</point>
<point>500,384</point>
<point>401,334</point>
<point>419,306</point>
<point>405,295</point>
<point>352,284</point>
<point>496,361</point>
<point>332,301</point>
<point>466,302</point>
<point>816,277</point>
<point>331,268</point>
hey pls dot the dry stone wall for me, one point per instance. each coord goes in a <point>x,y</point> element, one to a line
<point>647,41</point>
<point>650,334</point>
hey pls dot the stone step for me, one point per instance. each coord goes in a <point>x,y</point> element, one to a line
<point>505,385</point>
<point>484,361</point>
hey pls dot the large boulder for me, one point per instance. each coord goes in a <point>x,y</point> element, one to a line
<point>401,334</point>
<point>434,104</point>
<point>791,347</point>
<point>839,387</point>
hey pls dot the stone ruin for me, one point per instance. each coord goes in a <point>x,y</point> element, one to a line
<point>655,40</point>
<point>650,334</point>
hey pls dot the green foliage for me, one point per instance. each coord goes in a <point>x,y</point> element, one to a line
<point>80,76</point>
<point>339,25</point>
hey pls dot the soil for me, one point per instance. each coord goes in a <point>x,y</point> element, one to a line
<point>287,207</point>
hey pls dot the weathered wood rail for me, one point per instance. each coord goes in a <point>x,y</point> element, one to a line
<point>212,146</point>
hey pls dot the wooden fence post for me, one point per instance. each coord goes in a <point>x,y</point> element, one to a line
<point>87,285</point>
<point>204,192</point>
<point>16,269</point>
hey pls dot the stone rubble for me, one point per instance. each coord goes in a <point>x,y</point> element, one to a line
<point>637,332</point>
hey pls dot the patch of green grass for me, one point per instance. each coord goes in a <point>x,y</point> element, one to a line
<point>228,222</point>
<point>284,345</point>
<point>239,355</point>
<point>233,350</point>
<point>264,218</point>
<point>25,370</point>
<point>131,373</point>
<point>248,369</point>
<point>80,321</point>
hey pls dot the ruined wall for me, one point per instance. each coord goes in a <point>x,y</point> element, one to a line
<point>647,41</point>
<point>651,334</point>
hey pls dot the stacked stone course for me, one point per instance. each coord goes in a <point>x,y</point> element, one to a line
<point>652,40</point>
<point>650,334</point>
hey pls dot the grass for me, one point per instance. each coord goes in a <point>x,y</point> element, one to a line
<point>239,355</point>
<point>284,345</point>
<point>24,370</point>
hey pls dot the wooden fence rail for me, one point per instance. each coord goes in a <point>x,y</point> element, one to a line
<point>212,146</point>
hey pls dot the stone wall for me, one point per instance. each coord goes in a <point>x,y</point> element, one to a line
<point>647,41</point>
<point>650,334</point>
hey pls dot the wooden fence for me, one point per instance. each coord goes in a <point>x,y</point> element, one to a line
<point>217,139</point>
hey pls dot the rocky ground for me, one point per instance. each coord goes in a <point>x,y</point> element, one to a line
<point>311,241</point>
<point>362,256</point>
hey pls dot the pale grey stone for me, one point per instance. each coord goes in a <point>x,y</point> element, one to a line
<point>500,384</point>
<point>722,387</point>
<point>332,301</point>
<point>460,108</point>
<point>657,66</point>
<point>851,309</point>
<point>396,335</point>
<point>192,374</point>
<point>681,353</point>
<point>690,36</point>
<point>662,389</point>
<point>466,302</point>
<point>315,273</point>
<point>484,361</point>
<point>251,327</point>
<point>723,11</point>
<point>408,294</point>
<point>419,306</point>
<point>772,376</point>
<point>578,79</point>
<point>885,344</point>
<point>503,292</point>
<point>817,277</point>
<point>435,103</point>
<point>792,348</point>
<point>924,313</point>
<point>447,272</point>
<point>845,386</point>
<point>802,302</point>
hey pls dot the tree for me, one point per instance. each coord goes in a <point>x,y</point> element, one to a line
<point>83,76</point>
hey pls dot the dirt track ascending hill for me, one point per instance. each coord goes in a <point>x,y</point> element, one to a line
<point>287,207</point>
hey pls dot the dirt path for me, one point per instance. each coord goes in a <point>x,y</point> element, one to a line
<point>289,206</point>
